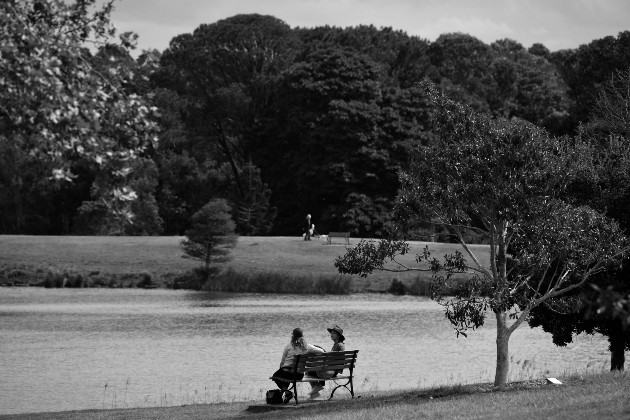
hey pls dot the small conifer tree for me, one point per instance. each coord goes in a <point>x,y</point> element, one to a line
<point>211,235</point>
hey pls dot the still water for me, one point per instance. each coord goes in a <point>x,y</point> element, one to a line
<point>71,349</point>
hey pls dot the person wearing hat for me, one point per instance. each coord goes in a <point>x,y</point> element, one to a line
<point>296,346</point>
<point>336,335</point>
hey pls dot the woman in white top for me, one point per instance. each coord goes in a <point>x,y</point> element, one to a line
<point>297,346</point>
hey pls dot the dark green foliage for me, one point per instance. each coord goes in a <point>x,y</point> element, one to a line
<point>233,281</point>
<point>95,217</point>
<point>185,186</point>
<point>145,281</point>
<point>210,236</point>
<point>344,137</point>
<point>252,211</point>
<point>397,288</point>
<point>144,181</point>
<point>586,68</point>
<point>224,77</point>
<point>279,121</point>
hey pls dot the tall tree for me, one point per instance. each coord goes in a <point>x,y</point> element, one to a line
<point>404,58</point>
<point>528,87</point>
<point>341,134</point>
<point>463,69</point>
<point>505,180</point>
<point>226,74</point>
<point>56,109</point>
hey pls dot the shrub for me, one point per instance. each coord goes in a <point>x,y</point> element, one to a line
<point>231,280</point>
<point>397,287</point>
<point>145,281</point>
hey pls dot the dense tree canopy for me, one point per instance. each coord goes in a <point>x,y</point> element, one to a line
<point>279,121</point>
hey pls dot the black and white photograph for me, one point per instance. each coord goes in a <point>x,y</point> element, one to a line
<point>314,209</point>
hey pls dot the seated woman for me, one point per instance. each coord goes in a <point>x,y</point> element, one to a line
<point>297,346</point>
<point>336,335</point>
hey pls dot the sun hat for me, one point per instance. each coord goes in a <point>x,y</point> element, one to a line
<point>297,333</point>
<point>338,330</point>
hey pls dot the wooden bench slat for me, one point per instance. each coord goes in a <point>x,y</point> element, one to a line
<point>332,354</point>
<point>324,359</point>
<point>324,368</point>
<point>328,363</point>
<point>312,378</point>
<point>318,360</point>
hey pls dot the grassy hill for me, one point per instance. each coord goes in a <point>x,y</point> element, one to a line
<point>162,257</point>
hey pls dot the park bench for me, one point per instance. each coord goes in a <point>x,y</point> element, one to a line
<point>334,360</point>
<point>345,235</point>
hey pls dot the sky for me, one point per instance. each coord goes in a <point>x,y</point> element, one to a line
<point>557,24</point>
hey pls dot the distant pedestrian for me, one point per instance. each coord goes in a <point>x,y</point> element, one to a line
<point>308,228</point>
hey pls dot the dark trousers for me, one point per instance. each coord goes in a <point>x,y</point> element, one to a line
<point>286,374</point>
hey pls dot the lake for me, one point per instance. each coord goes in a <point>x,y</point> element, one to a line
<point>72,349</point>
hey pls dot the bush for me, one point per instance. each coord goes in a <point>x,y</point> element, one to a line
<point>231,280</point>
<point>419,288</point>
<point>397,288</point>
<point>145,281</point>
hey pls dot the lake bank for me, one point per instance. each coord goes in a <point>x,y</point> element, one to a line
<point>157,261</point>
<point>579,397</point>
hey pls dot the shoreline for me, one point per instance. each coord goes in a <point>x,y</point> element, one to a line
<point>604,395</point>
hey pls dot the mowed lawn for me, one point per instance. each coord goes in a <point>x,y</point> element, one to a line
<point>162,255</point>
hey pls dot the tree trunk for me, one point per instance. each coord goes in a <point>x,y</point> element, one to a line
<point>503,357</point>
<point>617,340</point>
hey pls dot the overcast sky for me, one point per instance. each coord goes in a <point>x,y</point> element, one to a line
<point>558,24</point>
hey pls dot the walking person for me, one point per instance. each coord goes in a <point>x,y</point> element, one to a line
<point>296,346</point>
<point>336,335</point>
<point>308,228</point>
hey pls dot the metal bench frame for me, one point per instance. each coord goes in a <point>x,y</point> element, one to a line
<point>345,235</point>
<point>334,360</point>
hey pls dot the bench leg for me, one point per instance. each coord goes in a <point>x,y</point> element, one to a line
<point>351,389</point>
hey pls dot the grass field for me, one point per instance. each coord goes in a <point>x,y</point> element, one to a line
<point>162,256</point>
<point>603,396</point>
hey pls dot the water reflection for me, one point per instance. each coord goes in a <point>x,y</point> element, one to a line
<point>91,348</point>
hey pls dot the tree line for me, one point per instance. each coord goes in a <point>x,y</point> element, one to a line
<point>277,121</point>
